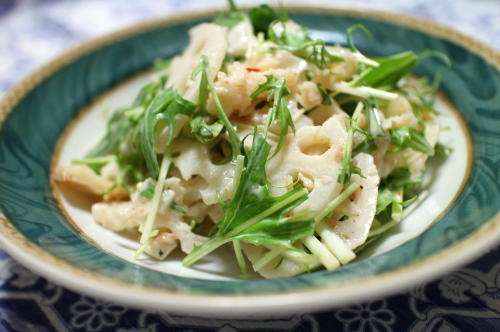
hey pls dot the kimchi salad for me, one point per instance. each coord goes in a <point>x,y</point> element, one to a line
<point>263,140</point>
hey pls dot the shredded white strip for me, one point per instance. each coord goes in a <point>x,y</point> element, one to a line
<point>155,203</point>
<point>267,257</point>
<point>364,91</point>
<point>321,251</point>
<point>357,55</point>
<point>336,245</point>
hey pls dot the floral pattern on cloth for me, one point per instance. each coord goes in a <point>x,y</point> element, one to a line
<point>93,315</point>
<point>32,32</point>
<point>371,316</point>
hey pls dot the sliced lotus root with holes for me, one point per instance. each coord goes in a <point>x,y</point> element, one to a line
<point>312,157</point>
<point>360,208</point>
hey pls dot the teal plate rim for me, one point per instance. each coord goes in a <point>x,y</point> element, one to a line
<point>62,255</point>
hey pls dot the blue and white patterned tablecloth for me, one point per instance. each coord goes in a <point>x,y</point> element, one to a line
<point>31,32</point>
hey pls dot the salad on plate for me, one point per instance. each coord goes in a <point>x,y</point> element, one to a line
<point>262,139</point>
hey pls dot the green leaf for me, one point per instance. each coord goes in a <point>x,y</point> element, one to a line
<point>325,95</point>
<point>293,40</point>
<point>203,131</point>
<point>302,45</point>
<point>348,168</point>
<point>409,138</point>
<point>117,129</point>
<point>252,195</point>
<point>400,177</point>
<point>435,54</point>
<point>149,191</point>
<point>95,163</point>
<point>396,191</point>
<point>178,208</point>
<point>135,114</point>
<point>123,137</point>
<point>375,128</point>
<point>277,232</point>
<point>231,17</point>
<point>351,30</point>
<point>442,151</point>
<point>164,107</point>
<point>160,64</point>
<point>234,140</point>
<point>262,17</point>
<point>374,123</point>
<point>149,92</point>
<point>390,70</point>
<point>384,199</point>
<point>278,91</point>
<point>203,91</point>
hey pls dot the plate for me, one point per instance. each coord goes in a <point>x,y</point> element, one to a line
<point>49,233</point>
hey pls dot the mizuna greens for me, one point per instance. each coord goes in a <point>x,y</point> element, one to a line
<point>297,153</point>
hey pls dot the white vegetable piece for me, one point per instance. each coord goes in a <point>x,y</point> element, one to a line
<point>278,267</point>
<point>120,216</point>
<point>84,177</point>
<point>162,245</point>
<point>364,91</point>
<point>313,156</point>
<point>241,80</point>
<point>194,159</point>
<point>399,113</point>
<point>240,38</point>
<point>205,39</point>
<point>361,209</point>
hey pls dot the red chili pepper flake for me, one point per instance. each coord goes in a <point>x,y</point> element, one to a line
<point>253,69</point>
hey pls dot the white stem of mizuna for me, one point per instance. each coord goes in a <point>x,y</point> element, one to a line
<point>364,91</point>
<point>155,202</point>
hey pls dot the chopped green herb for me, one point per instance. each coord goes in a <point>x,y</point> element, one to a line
<point>278,91</point>
<point>309,75</point>
<point>178,208</point>
<point>262,17</point>
<point>164,108</point>
<point>348,168</point>
<point>351,30</point>
<point>442,151</point>
<point>233,138</point>
<point>95,163</point>
<point>400,177</point>
<point>231,17</point>
<point>409,138</point>
<point>325,95</point>
<point>203,131</point>
<point>375,128</point>
<point>149,191</point>
<point>161,64</point>
<point>302,45</point>
<point>390,70</point>
<point>202,70</point>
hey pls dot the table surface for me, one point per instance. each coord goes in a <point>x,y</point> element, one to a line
<point>32,32</point>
